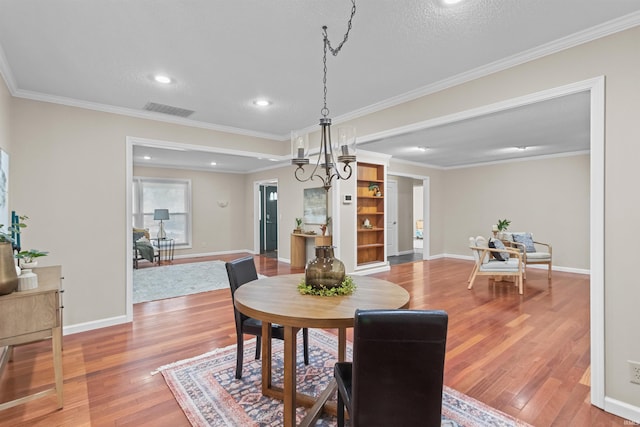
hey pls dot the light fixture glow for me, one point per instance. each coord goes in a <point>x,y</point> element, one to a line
<point>451,2</point>
<point>262,102</point>
<point>162,79</point>
<point>522,148</point>
<point>423,148</point>
<point>147,157</point>
<point>213,163</point>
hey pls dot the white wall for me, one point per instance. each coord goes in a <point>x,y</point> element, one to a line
<point>549,197</point>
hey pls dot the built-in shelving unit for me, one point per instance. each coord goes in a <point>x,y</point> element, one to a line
<point>370,215</point>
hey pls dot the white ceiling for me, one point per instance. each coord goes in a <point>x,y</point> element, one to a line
<point>224,54</point>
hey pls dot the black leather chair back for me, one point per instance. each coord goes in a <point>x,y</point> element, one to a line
<point>398,367</point>
<point>240,271</point>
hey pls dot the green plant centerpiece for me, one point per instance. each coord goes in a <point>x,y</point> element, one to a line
<point>345,288</point>
<point>298,228</point>
<point>503,224</point>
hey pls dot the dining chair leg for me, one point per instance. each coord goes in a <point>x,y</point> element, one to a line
<point>258,346</point>
<point>340,410</point>
<point>305,343</point>
<point>239,356</point>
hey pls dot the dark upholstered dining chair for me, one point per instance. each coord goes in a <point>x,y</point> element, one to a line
<point>241,271</point>
<point>397,372</point>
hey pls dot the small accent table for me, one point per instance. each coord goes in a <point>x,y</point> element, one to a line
<point>34,315</point>
<point>299,247</point>
<point>165,246</point>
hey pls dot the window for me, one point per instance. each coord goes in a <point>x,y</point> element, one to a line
<point>158,193</point>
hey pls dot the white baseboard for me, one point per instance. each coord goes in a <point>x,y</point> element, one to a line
<point>372,269</point>
<point>95,324</point>
<point>622,409</point>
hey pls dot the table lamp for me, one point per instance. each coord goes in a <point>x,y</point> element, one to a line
<point>161,215</point>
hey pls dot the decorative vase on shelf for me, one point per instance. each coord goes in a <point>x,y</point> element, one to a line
<point>324,270</point>
<point>27,280</point>
<point>8,275</point>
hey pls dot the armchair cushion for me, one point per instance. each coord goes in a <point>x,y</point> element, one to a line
<point>497,244</point>
<point>511,265</point>
<point>526,239</point>
<point>538,256</point>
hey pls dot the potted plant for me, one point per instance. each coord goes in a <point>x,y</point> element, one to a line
<point>503,224</point>
<point>27,258</point>
<point>375,188</point>
<point>298,228</point>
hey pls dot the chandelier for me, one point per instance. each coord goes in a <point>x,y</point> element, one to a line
<point>326,168</point>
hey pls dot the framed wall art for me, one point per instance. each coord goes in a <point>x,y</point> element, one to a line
<point>315,205</point>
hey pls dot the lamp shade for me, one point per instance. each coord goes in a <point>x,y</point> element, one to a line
<point>161,214</point>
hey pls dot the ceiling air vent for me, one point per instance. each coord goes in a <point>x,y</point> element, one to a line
<point>168,109</point>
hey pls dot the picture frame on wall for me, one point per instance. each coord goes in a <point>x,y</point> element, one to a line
<point>4,190</point>
<point>315,205</point>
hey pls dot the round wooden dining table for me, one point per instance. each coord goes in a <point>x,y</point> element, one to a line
<point>277,300</point>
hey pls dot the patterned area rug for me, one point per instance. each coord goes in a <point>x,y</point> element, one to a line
<point>169,281</point>
<point>208,393</point>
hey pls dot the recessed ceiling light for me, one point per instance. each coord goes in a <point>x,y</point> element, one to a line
<point>522,148</point>
<point>213,163</point>
<point>262,102</point>
<point>147,157</point>
<point>450,2</point>
<point>160,78</point>
<point>423,148</point>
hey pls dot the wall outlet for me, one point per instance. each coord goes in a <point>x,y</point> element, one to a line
<point>634,371</point>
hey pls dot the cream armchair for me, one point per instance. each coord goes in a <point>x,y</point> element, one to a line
<point>487,265</point>
<point>533,252</point>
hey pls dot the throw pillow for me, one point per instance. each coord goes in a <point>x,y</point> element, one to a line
<point>526,239</point>
<point>497,244</point>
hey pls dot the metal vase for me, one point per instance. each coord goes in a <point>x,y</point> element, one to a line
<point>8,274</point>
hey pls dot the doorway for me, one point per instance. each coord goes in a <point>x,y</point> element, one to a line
<point>268,220</point>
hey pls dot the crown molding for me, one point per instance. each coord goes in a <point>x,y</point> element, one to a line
<point>5,72</point>
<point>605,29</point>
<point>608,28</point>
<point>148,115</point>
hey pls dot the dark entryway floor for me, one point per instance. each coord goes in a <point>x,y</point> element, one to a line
<point>270,254</point>
<point>401,259</point>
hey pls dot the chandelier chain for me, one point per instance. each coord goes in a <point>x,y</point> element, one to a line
<point>327,45</point>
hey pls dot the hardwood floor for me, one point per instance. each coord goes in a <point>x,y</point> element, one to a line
<point>527,356</point>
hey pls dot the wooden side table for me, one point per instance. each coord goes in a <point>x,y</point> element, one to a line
<point>299,247</point>
<point>30,316</point>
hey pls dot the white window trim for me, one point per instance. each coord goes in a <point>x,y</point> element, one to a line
<point>189,226</point>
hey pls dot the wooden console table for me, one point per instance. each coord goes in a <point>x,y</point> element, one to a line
<point>30,316</point>
<point>299,247</point>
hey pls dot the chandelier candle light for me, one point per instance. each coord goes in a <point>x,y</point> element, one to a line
<point>325,271</point>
